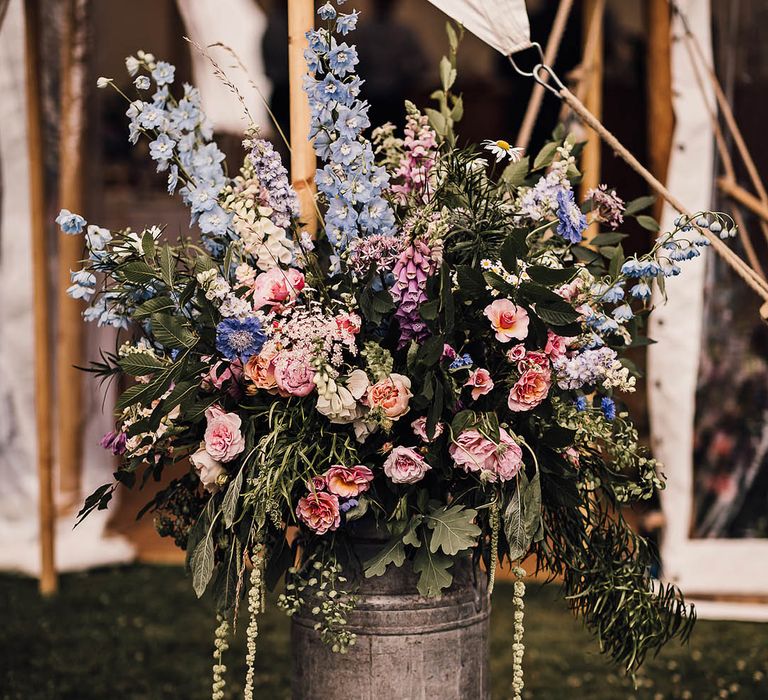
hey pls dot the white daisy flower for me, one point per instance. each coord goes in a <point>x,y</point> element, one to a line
<point>503,149</point>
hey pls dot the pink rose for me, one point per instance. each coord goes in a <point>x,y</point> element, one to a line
<point>260,369</point>
<point>391,395</point>
<point>573,456</point>
<point>348,482</point>
<point>222,372</point>
<point>405,466</point>
<point>530,390</point>
<point>420,429</point>
<point>555,346</point>
<point>534,359</point>
<point>474,452</point>
<point>509,321</point>
<point>319,512</point>
<point>516,352</point>
<point>316,483</point>
<point>208,469</point>
<point>223,439</point>
<point>277,287</point>
<point>293,374</point>
<point>481,383</point>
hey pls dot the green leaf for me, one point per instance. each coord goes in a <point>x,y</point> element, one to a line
<point>201,565</point>
<point>393,552</point>
<point>608,238</point>
<point>522,515</point>
<point>138,364</point>
<point>453,40</point>
<point>617,260</point>
<point>171,333</point>
<point>515,173</point>
<point>148,246</point>
<point>167,265</point>
<point>432,568</point>
<point>447,73</point>
<point>462,421</point>
<point>498,283</point>
<point>430,309</point>
<point>546,156</point>
<point>152,306</point>
<point>203,263</point>
<point>430,353</point>
<point>137,273</point>
<point>648,222</point>
<point>453,529</point>
<point>457,111</point>
<point>229,504</point>
<point>437,120</point>
<point>549,275</point>
<point>638,204</point>
<point>557,314</point>
<point>471,281</point>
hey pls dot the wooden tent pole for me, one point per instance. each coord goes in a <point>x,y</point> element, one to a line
<point>69,340</point>
<point>42,358</point>
<point>661,114</point>
<point>592,67</point>
<point>301,19</point>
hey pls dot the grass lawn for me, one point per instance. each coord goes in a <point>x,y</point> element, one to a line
<point>137,632</point>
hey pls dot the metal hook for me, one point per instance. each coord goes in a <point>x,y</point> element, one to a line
<point>547,84</point>
<point>528,74</point>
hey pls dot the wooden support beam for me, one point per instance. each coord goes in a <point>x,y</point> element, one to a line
<point>40,255</point>
<point>744,197</point>
<point>69,337</point>
<point>301,19</point>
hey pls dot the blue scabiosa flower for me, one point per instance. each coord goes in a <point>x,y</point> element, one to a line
<point>581,403</point>
<point>163,73</point>
<point>70,223</point>
<point>608,407</point>
<point>240,340</point>
<point>572,222</point>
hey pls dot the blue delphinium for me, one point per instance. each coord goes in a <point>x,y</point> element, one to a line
<point>571,221</point>
<point>83,285</point>
<point>239,340</point>
<point>70,223</point>
<point>608,406</point>
<point>352,183</point>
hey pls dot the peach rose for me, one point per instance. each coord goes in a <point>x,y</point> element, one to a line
<point>420,429</point>
<point>223,439</point>
<point>208,469</point>
<point>348,482</point>
<point>509,321</point>
<point>481,383</point>
<point>516,353</point>
<point>530,390</point>
<point>260,369</point>
<point>319,512</point>
<point>473,452</point>
<point>405,466</point>
<point>391,395</point>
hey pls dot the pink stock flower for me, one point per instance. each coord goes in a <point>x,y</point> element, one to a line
<point>509,321</point>
<point>473,452</point>
<point>420,429</point>
<point>530,390</point>
<point>293,374</point>
<point>391,395</point>
<point>556,346</point>
<point>319,511</point>
<point>223,439</point>
<point>405,466</point>
<point>481,383</point>
<point>348,482</point>
<point>277,287</point>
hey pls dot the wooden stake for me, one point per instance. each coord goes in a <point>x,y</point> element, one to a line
<point>592,67</point>
<point>301,19</point>
<point>69,340</point>
<point>43,401</point>
<point>743,196</point>
<point>661,115</point>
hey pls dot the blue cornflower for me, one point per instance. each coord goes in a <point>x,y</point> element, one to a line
<point>326,12</point>
<point>173,178</point>
<point>240,340</point>
<point>461,362</point>
<point>96,237</point>
<point>142,82</point>
<point>83,284</point>
<point>342,59</point>
<point>608,406</point>
<point>352,120</point>
<point>623,312</point>
<point>346,151</point>
<point>346,23</point>
<point>641,291</point>
<point>163,73</point>
<point>572,222</point>
<point>581,403</point>
<point>214,221</point>
<point>161,150</point>
<point>70,223</point>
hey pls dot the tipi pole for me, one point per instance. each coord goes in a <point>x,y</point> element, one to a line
<point>42,357</point>
<point>300,20</point>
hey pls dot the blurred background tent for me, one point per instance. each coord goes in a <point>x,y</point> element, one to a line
<point>626,59</point>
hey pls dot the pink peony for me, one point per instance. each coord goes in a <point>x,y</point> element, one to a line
<point>277,287</point>
<point>293,374</point>
<point>530,390</point>
<point>223,439</point>
<point>556,346</point>
<point>509,321</point>
<point>348,482</point>
<point>420,429</point>
<point>405,466</point>
<point>391,395</point>
<point>319,512</point>
<point>481,383</point>
<point>208,469</point>
<point>474,452</point>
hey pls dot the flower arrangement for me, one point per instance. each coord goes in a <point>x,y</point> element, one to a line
<point>445,360</point>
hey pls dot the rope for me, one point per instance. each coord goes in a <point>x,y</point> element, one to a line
<point>757,283</point>
<point>550,54</point>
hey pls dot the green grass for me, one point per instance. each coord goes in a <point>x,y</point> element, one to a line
<point>138,633</point>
